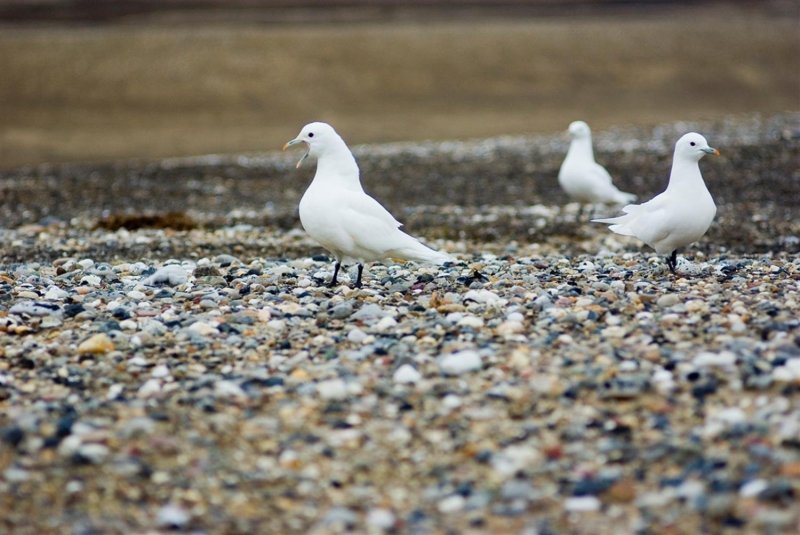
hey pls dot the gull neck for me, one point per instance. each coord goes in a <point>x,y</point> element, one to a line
<point>336,165</point>
<point>581,147</point>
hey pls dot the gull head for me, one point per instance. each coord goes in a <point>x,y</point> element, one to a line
<point>693,146</point>
<point>317,136</point>
<point>579,129</point>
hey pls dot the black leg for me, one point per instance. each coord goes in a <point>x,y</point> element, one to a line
<point>672,261</point>
<point>336,267</point>
<point>579,215</point>
<point>358,278</point>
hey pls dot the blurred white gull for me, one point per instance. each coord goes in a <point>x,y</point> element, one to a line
<point>581,177</point>
<point>680,215</point>
<point>336,212</point>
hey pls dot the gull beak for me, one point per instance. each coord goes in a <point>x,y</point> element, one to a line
<point>290,143</point>
<point>710,150</point>
<point>295,142</point>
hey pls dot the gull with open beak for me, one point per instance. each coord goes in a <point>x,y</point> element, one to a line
<point>336,212</point>
<point>679,216</point>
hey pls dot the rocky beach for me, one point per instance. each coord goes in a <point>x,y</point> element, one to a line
<point>171,358</point>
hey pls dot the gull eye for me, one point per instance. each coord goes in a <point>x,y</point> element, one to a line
<point>311,134</point>
<point>692,143</point>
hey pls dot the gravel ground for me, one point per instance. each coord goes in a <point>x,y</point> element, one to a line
<point>555,379</point>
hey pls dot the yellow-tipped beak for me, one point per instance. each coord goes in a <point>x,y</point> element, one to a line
<point>292,142</point>
<point>716,152</point>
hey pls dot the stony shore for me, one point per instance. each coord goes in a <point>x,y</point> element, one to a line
<point>191,372</point>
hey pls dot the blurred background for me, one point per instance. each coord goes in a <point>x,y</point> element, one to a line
<point>107,80</point>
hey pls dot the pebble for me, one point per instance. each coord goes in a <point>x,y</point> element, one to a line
<point>335,389</point>
<point>171,275</point>
<point>381,519</point>
<point>54,293</point>
<point>460,362</point>
<point>97,344</point>
<point>406,374</point>
<point>582,504</point>
<point>34,308</point>
<point>172,516</point>
<point>707,359</point>
<point>451,504</point>
<point>668,300</point>
<point>356,335</point>
<point>94,453</point>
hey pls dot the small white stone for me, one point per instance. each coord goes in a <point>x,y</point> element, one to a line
<point>512,459</point>
<point>582,504</point>
<point>150,388</point>
<point>16,475</point>
<point>753,488</point>
<point>276,325</point>
<point>356,335</point>
<point>172,516</point>
<point>454,317</point>
<point>160,371</point>
<point>474,322</point>
<point>91,280</point>
<point>335,389</point>
<point>460,362</point>
<point>406,374</point>
<point>114,391</point>
<point>172,275</point>
<point>451,504</point>
<point>33,308</point>
<point>203,328</point>
<point>707,359</point>
<point>229,389</point>
<point>515,316</point>
<point>615,331</point>
<point>86,263</point>
<point>690,489</point>
<point>508,328</point>
<point>128,325</point>
<point>668,300</point>
<point>380,518</point>
<point>138,360</point>
<point>136,295</point>
<point>73,487</point>
<point>54,293</point>
<point>789,372</point>
<point>451,402</point>
<point>484,297</point>
<point>95,453</point>
<point>385,323</point>
<point>69,446</point>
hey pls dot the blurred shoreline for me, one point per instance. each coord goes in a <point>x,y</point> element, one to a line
<point>180,85</point>
<point>22,13</point>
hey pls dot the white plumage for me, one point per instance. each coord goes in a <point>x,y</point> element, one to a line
<point>680,215</point>
<point>336,212</point>
<point>581,177</point>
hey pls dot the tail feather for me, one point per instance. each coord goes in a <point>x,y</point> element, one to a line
<point>417,252</point>
<point>619,224</point>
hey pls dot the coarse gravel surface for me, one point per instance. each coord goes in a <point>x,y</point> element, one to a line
<point>191,371</point>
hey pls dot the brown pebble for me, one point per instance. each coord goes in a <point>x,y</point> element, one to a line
<point>623,491</point>
<point>96,345</point>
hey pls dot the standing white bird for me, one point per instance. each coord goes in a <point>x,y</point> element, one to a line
<point>336,212</point>
<point>581,177</point>
<point>680,215</point>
